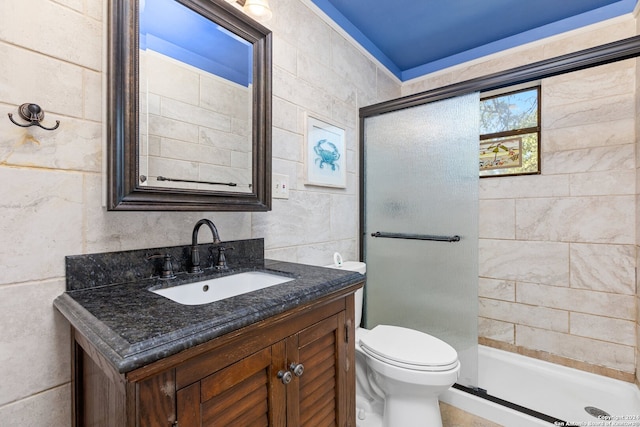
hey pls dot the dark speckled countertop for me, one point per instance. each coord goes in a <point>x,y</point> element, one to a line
<point>133,327</point>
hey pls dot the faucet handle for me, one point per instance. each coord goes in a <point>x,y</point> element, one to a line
<point>167,267</point>
<point>222,259</point>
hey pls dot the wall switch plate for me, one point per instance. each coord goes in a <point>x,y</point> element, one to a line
<point>280,185</point>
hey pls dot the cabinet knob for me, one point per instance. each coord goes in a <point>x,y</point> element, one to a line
<point>297,369</point>
<point>285,376</point>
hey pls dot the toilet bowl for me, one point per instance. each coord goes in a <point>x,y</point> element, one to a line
<point>400,372</point>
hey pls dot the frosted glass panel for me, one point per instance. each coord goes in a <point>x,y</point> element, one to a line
<point>421,177</point>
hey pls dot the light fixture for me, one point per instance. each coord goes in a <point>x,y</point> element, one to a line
<point>258,9</point>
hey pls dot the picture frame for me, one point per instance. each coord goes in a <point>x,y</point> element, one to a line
<point>325,154</point>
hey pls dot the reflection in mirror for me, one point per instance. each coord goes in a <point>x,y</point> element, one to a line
<point>188,107</point>
<point>195,101</point>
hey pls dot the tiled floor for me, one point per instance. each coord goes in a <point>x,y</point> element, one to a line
<point>454,417</point>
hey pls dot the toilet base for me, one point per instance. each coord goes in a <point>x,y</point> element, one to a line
<point>407,412</point>
<point>368,411</point>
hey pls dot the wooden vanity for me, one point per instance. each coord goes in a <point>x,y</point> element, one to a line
<point>292,368</point>
<point>235,380</point>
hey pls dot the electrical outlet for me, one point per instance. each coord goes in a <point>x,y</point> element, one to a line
<point>280,188</point>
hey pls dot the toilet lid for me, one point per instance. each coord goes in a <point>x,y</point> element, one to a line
<point>408,348</point>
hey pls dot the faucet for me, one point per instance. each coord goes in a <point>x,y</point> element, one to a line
<point>195,254</point>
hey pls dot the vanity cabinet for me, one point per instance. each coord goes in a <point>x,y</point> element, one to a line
<point>294,369</point>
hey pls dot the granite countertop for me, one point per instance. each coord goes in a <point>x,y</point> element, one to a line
<point>133,327</point>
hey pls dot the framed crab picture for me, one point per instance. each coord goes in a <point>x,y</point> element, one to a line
<point>326,156</point>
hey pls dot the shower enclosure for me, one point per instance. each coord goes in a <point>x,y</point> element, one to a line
<point>420,221</point>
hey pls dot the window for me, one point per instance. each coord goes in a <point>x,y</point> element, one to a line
<point>510,133</point>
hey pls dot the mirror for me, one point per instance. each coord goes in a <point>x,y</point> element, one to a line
<point>189,107</point>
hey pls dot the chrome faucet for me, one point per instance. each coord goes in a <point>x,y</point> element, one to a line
<point>195,254</point>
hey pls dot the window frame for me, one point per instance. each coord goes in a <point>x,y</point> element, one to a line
<point>491,173</point>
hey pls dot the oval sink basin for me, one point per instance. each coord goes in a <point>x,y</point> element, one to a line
<point>221,288</point>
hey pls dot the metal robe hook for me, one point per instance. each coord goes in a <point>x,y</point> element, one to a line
<point>33,114</point>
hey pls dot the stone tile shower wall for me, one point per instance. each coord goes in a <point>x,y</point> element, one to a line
<point>637,157</point>
<point>52,184</point>
<point>558,250</point>
<point>557,264</point>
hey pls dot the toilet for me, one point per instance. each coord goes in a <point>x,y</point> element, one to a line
<point>400,372</point>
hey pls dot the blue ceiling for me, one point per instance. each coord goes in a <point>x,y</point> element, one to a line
<point>416,37</point>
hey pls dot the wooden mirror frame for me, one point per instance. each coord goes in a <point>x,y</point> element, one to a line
<point>122,116</point>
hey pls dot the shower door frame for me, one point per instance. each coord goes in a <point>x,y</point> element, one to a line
<point>600,55</point>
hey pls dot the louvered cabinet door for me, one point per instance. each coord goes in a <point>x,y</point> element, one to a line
<point>318,396</point>
<point>242,394</point>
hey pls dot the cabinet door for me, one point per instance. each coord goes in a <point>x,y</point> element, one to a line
<point>243,394</point>
<point>318,397</point>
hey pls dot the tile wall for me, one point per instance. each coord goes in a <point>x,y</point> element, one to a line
<point>558,250</point>
<point>637,157</point>
<point>52,185</point>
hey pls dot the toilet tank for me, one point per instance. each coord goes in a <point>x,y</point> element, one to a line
<point>361,268</point>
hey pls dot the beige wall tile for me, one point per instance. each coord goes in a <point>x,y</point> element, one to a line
<point>603,183</point>
<point>602,219</point>
<point>312,36</point>
<point>348,62</point>
<point>601,110</point>
<point>588,135</point>
<point>94,9</point>
<point>387,86</point>
<point>592,351</point>
<point>344,220</point>
<point>512,58</point>
<point>617,157</point>
<point>614,29</point>
<point>524,186</point>
<point>296,222</point>
<point>540,262</point>
<point>34,354</point>
<point>285,116</point>
<point>607,268</point>
<point>285,55</point>
<point>52,407</point>
<point>497,289</point>
<point>589,85</point>
<point>577,300</point>
<point>56,86</point>
<point>497,219</point>
<point>47,17</point>
<point>496,330</point>
<point>319,73</point>
<point>117,231</point>
<point>603,328</point>
<point>37,208</point>
<point>287,145</point>
<point>92,88</point>
<point>75,146</point>
<point>301,93</point>
<point>521,314</point>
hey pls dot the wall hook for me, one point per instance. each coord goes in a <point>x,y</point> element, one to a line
<point>33,114</point>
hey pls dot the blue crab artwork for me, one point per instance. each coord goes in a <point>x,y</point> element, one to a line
<point>327,154</point>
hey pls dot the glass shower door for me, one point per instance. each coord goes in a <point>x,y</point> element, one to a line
<point>421,182</point>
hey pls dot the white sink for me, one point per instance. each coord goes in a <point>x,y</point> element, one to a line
<point>220,288</point>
